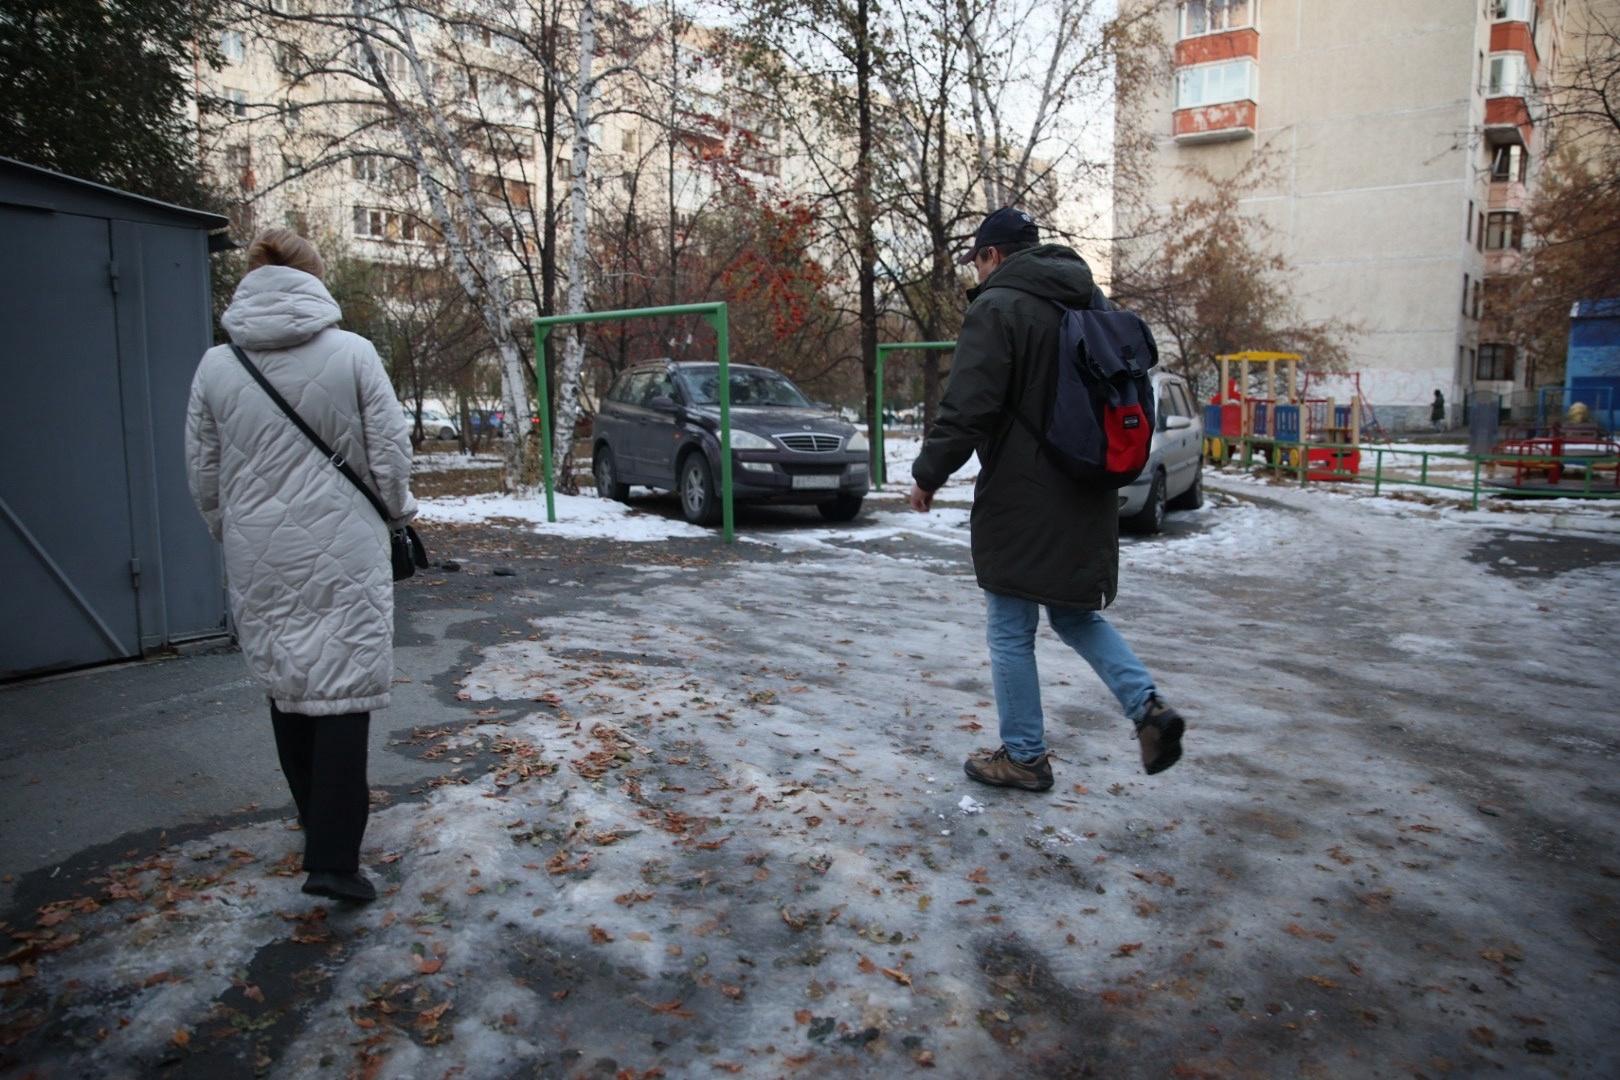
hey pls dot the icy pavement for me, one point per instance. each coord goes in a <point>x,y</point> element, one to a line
<point>718,826</point>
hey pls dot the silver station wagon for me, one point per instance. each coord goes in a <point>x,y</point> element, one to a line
<point>1174,477</point>
<point>659,426</point>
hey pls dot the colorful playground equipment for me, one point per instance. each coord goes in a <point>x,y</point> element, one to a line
<point>1285,418</point>
<point>1560,455</point>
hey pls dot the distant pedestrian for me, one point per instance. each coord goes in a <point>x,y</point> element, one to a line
<point>306,555</point>
<point>1437,411</point>
<point>1038,536</point>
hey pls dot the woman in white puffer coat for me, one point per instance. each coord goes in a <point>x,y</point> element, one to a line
<point>306,555</point>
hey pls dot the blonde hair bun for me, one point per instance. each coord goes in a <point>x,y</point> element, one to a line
<point>283,247</point>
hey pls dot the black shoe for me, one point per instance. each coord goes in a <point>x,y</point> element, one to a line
<point>355,888</point>
<point>1159,731</point>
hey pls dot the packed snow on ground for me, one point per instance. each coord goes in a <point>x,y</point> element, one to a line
<point>577,516</point>
<point>437,463</point>
<point>728,832</point>
<point>1581,515</point>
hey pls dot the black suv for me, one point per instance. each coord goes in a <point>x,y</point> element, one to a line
<point>659,426</point>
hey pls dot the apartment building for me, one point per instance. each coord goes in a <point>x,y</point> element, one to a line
<point>1402,142</point>
<point>319,153</point>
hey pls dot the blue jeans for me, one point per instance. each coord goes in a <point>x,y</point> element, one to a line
<point>1018,686</point>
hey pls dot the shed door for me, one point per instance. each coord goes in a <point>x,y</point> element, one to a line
<point>65,543</point>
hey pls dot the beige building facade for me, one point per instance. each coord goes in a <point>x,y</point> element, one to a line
<point>1399,142</point>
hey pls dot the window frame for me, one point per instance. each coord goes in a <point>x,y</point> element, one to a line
<point>1251,22</point>
<point>1506,227</point>
<point>1515,156</point>
<point>1522,85</point>
<point>1252,87</point>
<point>1503,361</point>
<point>233,46</point>
<point>385,226</point>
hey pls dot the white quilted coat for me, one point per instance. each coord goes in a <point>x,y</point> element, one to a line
<point>306,555</point>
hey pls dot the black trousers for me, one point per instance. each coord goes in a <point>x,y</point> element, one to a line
<point>324,759</point>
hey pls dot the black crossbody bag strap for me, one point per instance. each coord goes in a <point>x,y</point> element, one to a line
<point>320,443</point>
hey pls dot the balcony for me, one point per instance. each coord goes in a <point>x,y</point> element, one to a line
<point>1507,120</point>
<point>1216,123</point>
<point>1217,75</point>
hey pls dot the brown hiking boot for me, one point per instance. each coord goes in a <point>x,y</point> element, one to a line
<point>1002,771</point>
<point>1159,732</point>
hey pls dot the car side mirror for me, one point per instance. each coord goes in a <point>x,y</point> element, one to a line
<point>1177,423</point>
<point>663,403</point>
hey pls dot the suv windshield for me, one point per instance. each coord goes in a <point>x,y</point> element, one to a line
<point>749,386</point>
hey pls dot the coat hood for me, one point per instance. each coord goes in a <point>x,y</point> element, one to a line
<point>277,307</point>
<point>1050,270</point>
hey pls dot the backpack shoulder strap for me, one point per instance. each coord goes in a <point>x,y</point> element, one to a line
<point>320,444</point>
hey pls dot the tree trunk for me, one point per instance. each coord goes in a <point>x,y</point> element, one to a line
<point>865,214</point>
<point>573,362</point>
<point>548,243</point>
<point>483,283</point>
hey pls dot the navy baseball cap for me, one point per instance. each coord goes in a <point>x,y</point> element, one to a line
<point>1008,225</point>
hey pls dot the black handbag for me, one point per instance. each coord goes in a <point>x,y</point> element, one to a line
<point>405,547</point>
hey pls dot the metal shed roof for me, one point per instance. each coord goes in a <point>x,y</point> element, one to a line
<point>27,185</point>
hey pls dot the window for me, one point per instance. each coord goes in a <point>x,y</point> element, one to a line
<point>1466,280</point>
<point>1508,163</point>
<point>1510,75</point>
<point>628,143</point>
<point>298,222</point>
<point>1479,233</point>
<point>1217,84</point>
<point>1495,363</point>
<point>387,225</point>
<point>632,388</point>
<point>372,168</point>
<point>238,159</point>
<point>1215,16</point>
<point>1504,229</point>
<point>235,101</point>
<point>1477,285</point>
<point>288,58</point>
<point>1173,402</point>
<point>1470,224</point>
<point>287,7</point>
<point>1525,11</point>
<point>233,46</point>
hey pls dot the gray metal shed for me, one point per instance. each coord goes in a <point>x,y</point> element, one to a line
<point>104,312</point>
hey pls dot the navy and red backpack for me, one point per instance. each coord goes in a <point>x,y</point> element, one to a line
<point>1100,426</point>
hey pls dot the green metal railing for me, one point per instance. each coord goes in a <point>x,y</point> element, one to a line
<point>880,461</point>
<point>1478,468</point>
<point>715,314</point>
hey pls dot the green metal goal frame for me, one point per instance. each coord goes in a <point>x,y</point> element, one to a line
<point>714,313</point>
<point>880,460</point>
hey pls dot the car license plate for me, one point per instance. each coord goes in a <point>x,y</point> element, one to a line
<point>816,482</point>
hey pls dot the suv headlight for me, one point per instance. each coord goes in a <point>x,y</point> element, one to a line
<point>747,440</point>
<point>857,444</point>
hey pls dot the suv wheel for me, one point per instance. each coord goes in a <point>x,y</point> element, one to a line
<point>699,504</point>
<point>1193,497</point>
<point>447,433</point>
<point>843,508</point>
<point>1150,519</point>
<point>607,477</point>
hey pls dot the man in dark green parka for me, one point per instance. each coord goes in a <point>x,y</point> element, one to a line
<point>1039,537</point>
